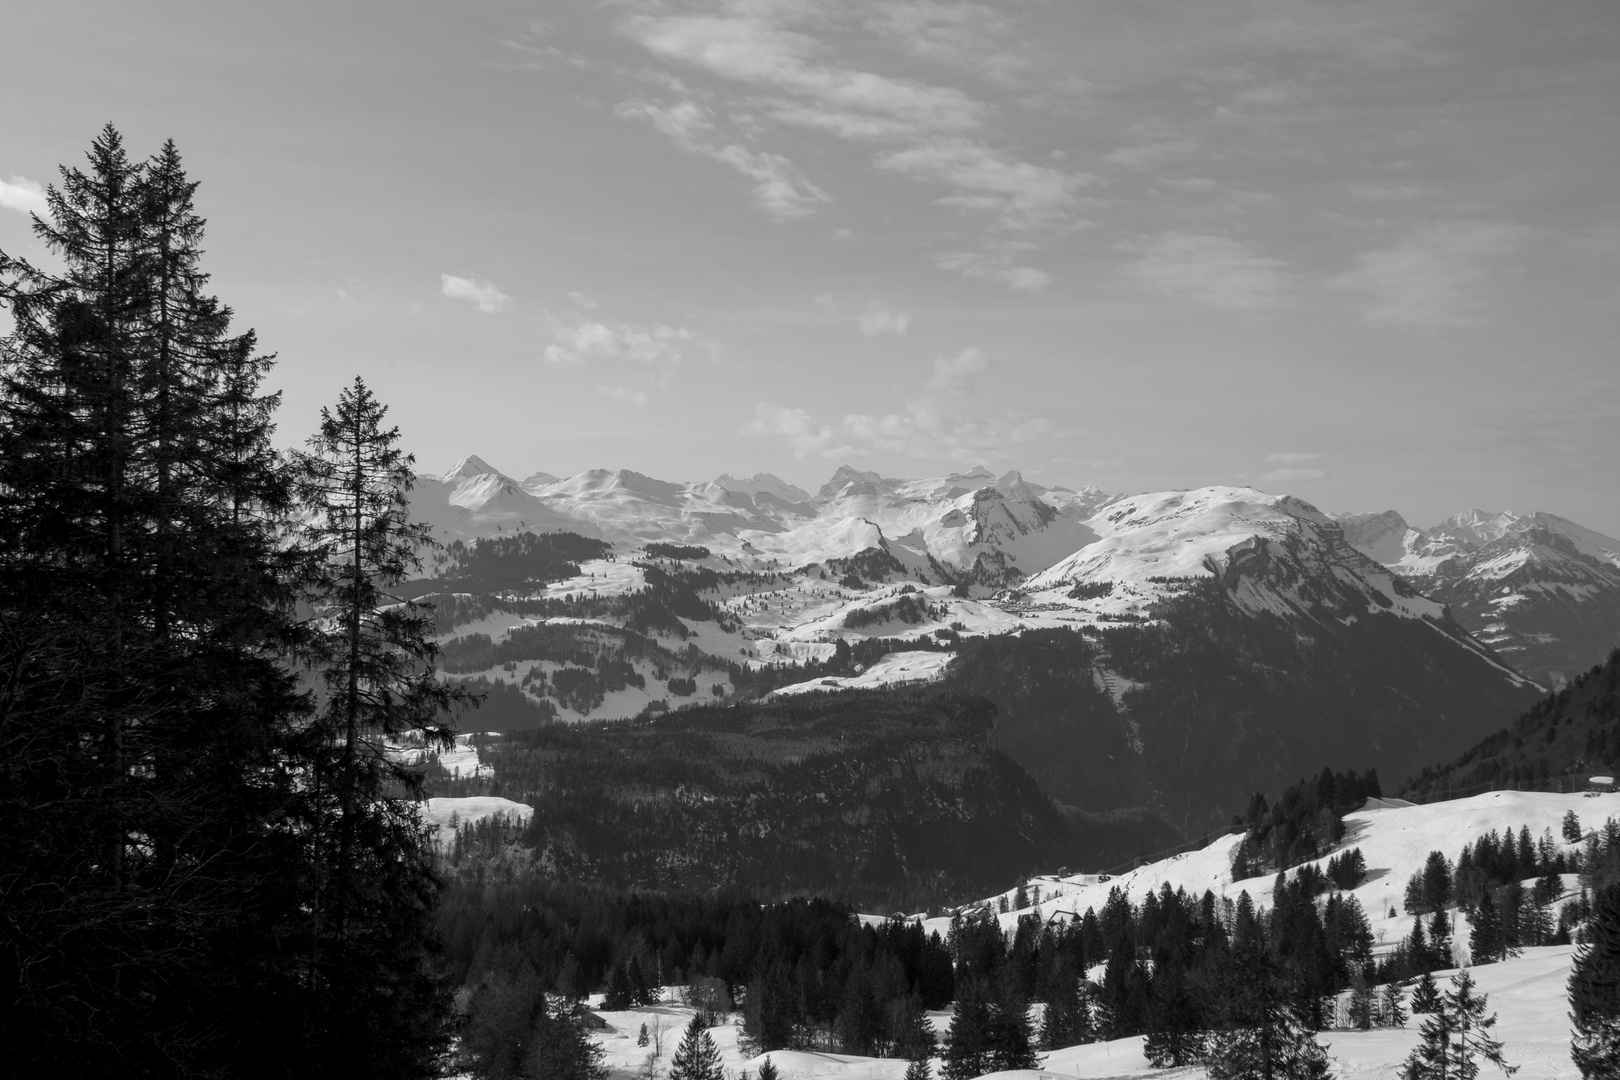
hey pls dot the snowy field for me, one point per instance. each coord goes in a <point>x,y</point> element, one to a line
<point>439,813</point>
<point>890,670</point>
<point>1526,994</point>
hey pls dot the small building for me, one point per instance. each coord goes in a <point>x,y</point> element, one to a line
<point>1600,784</point>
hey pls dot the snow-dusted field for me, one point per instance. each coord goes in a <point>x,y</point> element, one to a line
<point>895,668</point>
<point>439,813</point>
<point>1526,994</point>
<point>1394,841</point>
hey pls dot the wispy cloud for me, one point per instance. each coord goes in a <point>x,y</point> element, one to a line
<point>624,394</point>
<point>1214,271</point>
<point>804,435</point>
<point>780,189</point>
<point>999,268</point>
<point>1016,194</point>
<point>941,423</point>
<point>878,318</point>
<point>775,67</point>
<point>1288,476</point>
<point>583,340</point>
<point>1291,459</point>
<point>481,294</point>
<point>23,195</point>
<point>1433,279</point>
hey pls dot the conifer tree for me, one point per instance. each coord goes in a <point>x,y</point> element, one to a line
<point>560,1048</point>
<point>1261,1036</point>
<point>375,889</point>
<point>967,1050</point>
<point>143,622</point>
<point>1391,1012</point>
<point>919,1069</point>
<point>1485,932</point>
<point>1594,990</point>
<point>767,1071</point>
<point>696,1058</point>
<point>1425,995</point>
<point>1456,1036</point>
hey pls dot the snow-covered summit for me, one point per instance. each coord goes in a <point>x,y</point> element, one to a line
<point>1273,553</point>
<point>1538,588</point>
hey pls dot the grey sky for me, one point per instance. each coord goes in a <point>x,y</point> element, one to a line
<point>1364,251</point>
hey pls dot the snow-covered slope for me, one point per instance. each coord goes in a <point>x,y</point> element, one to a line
<point>1538,588</point>
<point>1274,553</point>
<point>472,499</point>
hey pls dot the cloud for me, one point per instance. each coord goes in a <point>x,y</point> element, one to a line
<point>1018,194</point>
<point>1291,459</point>
<point>624,394</point>
<point>23,195</point>
<point>1150,155</point>
<point>582,301</point>
<point>754,48</point>
<point>938,424</point>
<point>803,434</point>
<point>579,342</point>
<point>1432,279</point>
<point>953,374</point>
<point>1285,476</point>
<point>1215,271</point>
<point>879,318</point>
<point>482,294</point>
<point>777,54</point>
<point>780,189</point>
<point>997,268</point>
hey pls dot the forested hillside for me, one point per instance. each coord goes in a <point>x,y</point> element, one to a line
<point>1214,704</point>
<point>889,799</point>
<point>1554,746</point>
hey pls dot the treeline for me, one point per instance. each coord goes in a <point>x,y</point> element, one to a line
<point>212,867</point>
<point>1554,746</point>
<point>1305,823</point>
<point>891,800</point>
<point>523,561</point>
<point>811,974</point>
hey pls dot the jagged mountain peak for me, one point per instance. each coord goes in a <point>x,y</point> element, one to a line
<point>469,466</point>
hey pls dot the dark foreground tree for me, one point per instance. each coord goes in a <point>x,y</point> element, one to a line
<point>1594,990</point>
<point>1261,1035</point>
<point>148,883</point>
<point>383,1005</point>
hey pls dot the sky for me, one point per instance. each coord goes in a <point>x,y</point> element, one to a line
<point>1366,252</point>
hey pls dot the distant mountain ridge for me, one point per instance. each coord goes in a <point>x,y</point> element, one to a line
<point>1168,652</point>
<point>1541,590</point>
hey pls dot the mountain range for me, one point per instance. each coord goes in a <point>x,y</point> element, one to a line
<point>1172,651</point>
<point>1541,590</point>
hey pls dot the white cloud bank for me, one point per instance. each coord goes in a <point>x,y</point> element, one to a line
<point>481,294</point>
<point>23,195</point>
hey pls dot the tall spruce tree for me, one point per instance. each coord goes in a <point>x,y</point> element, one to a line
<point>1594,990</point>
<point>149,879</point>
<point>384,1010</point>
<point>696,1058</point>
<point>1260,1034</point>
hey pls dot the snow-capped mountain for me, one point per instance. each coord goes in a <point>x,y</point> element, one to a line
<point>971,526</point>
<point>471,499</point>
<point>1541,590</point>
